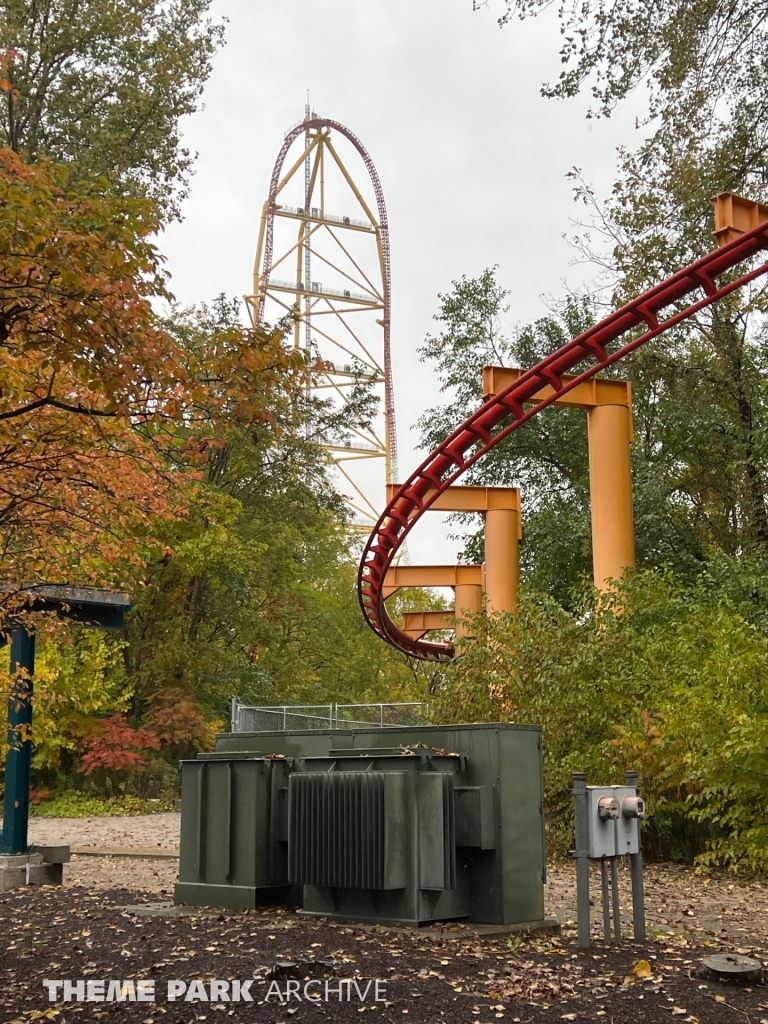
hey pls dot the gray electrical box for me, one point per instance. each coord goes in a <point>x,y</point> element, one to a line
<point>441,823</point>
<point>614,819</point>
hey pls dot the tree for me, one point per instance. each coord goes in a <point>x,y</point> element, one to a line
<point>254,592</point>
<point>102,86</point>
<point>667,674</point>
<point>79,678</point>
<point>700,393</point>
<point>98,398</point>
<point>704,58</point>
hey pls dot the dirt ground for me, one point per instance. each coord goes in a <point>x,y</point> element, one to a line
<point>106,924</point>
<point>676,899</point>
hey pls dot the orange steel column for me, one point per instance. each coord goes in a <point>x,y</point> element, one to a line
<point>469,601</point>
<point>609,429</point>
<point>501,509</point>
<point>502,559</point>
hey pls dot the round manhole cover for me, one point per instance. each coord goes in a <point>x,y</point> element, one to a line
<point>732,969</point>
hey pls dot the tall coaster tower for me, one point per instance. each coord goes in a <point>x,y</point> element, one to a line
<point>323,260</point>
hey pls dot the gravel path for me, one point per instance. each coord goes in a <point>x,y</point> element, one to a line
<point>425,976</point>
<point>148,831</point>
<point>145,832</point>
<point>676,900</point>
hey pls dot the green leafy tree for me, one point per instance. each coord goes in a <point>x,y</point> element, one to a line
<point>103,86</point>
<point>700,391</point>
<point>695,57</point>
<point>255,594</point>
<point>78,679</point>
<point>547,457</point>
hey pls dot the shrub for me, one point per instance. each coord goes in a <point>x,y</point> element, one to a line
<point>116,751</point>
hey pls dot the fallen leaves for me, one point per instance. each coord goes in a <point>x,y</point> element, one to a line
<point>642,969</point>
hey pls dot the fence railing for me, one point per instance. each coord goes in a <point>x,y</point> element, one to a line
<point>316,288</point>
<point>283,717</point>
<point>313,213</point>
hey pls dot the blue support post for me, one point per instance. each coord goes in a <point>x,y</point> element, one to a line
<point>19,755</point>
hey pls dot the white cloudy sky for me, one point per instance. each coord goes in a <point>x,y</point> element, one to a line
<point>471,158</point>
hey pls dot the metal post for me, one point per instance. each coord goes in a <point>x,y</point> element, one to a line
<point>502,559</point>
<point>606,903</point>
<point>609,433</point>
<point>636,869</point>
<point>19,755</point>
<point>582,857</point>
<point>468,600</point>
<point>233,715</point>
<point>615,894</point>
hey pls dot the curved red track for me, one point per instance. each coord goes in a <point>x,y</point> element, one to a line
<point>505,412</point>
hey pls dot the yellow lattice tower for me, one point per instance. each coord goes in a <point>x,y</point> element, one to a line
<point>323,258</point>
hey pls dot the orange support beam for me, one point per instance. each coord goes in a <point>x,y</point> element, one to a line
<point>431,576</point>
<point>471,499</point>
<point>589,395</point>
<point>469,601</point>
<point>465,580</point>
<point>609,432</point>
<point>609,429</point>
<point>416,624</point>
<point>734,215</point>
<point>503,530</point>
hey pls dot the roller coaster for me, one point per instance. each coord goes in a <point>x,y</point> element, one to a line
<point>741,232</point>
<point>342,321</point>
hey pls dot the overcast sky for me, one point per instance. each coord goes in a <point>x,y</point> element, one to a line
<point>472,159</point>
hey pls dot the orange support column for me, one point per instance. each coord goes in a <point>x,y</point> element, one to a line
<point>501,509</point>
<point>502,559</point>
<point>469,601</point>
<point>609,430</point>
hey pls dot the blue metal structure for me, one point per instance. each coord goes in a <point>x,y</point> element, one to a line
<point>87,606</point>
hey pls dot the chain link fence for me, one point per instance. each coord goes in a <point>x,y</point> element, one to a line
<point>279,718</point>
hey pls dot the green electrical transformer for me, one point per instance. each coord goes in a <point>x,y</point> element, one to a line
<point>402,825</point>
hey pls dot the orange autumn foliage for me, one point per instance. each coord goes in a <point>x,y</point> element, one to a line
<point>176,720</point>
<point>103,414</point>
<point>115,746</point>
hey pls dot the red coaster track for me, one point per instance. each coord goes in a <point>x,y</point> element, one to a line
<point>505,412</point>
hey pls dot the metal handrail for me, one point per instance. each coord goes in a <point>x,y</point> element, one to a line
<point>322,716</point>
<point>298,286</point>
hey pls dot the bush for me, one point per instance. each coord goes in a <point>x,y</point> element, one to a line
<point>78,805</point>
<point>115,752</point>
<point>665,677</point>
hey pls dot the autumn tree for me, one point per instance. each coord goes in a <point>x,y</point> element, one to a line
<point>97,398</point>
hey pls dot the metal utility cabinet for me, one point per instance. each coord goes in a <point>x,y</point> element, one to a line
<point>407,824</point>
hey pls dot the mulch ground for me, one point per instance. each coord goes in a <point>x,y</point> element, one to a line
<point>428,976</point>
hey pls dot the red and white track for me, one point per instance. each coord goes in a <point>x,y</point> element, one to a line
<point>506,411</point>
